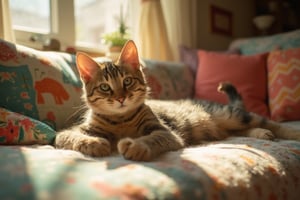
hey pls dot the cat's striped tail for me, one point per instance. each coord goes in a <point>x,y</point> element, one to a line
<point>234,97</point>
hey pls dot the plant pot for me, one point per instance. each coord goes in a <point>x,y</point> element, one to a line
<point>113,52</point>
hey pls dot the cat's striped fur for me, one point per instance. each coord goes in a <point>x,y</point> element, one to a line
<point>119,118</point>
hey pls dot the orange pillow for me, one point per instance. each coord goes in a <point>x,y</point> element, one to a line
<point>284,84</point>
<point>247,73</point>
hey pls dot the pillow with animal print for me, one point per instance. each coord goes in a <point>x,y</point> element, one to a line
<point>19,129</point>
<point>168,80</point>
<point>284,84</point>
<point>247,73</point>
<point>39,84</point>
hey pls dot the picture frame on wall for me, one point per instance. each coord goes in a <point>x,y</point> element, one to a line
<point>221,21</point>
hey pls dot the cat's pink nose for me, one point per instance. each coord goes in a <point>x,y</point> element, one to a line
<point>121,99</point>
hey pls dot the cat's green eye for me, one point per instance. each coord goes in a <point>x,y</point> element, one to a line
<point>104,87</point>
<point>127,81</point>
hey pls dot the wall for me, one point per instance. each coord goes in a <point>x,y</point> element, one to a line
<point>243,13</point>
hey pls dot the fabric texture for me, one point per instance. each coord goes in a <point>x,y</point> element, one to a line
<point>246,73</point>
<point>155,44</point>
<point>6,30</point>
<point>19,129</point>
<point>169,80</point>
<point>250,46</point>
<point>284,84</point>
<point>234,169</point>
<point>39,84</point>
<point>189,56</point>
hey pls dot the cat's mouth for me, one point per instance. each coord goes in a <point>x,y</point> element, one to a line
<point>121,102</point>
<point>122,106</point>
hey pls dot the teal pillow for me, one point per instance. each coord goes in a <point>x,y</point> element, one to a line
<point>268,43</point>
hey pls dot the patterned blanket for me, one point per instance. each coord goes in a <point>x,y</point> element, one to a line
<point>237,168</point>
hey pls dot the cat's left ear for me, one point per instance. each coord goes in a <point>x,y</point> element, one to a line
<point>87,67</point>
<point>129,55</point>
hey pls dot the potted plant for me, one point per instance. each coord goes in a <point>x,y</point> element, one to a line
<point>115,40</point>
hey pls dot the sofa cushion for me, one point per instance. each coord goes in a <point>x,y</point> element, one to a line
<point>168,80</point>
<point>256,45</point>
<point>19,129</point>
<point>238,168</point>
<point>41,85</point>
<point>189,56</point>
<point>284,84</point>
<point>247,73</point>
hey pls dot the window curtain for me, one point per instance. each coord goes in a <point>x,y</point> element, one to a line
<point>6,31</point>
<point>181,20</point>
<point>152,34</point>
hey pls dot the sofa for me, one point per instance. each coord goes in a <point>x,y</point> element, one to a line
<point>39,90</point>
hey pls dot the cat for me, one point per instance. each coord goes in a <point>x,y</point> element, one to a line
<point>120,117</point>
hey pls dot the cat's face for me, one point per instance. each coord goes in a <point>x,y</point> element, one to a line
<point>113,88</point>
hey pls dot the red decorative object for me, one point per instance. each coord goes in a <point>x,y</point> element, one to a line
<point>7,53</point>
<point>221,21</point>
<point>10,132</point>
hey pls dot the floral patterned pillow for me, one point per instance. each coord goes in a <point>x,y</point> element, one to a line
<point>39,84</point>
<point>169,80</point>
<point>19,129</point>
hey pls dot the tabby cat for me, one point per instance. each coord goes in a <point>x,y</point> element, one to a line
<point>119,118</point>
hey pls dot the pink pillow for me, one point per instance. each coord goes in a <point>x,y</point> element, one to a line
<point>247,73</point>
<point>189,56</point>
<point>284,84</point>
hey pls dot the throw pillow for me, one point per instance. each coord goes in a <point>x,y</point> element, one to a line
<point>168,80</point>
<point>189,56</point>
<point>19,129</point>
<point>246,73</point>
<point>250,46</point>
<point>39,84</point>
<point>284,84</point>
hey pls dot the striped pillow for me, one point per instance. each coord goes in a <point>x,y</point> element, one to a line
<point>284,84</point>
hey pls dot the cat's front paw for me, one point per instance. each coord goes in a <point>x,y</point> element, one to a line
<point>96,147</point>
<point>134,150</point>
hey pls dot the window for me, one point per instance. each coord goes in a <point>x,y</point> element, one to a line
<point>94,17</point>
<point>77,23</point>
<point>33,16</point>
<point>35,21</point>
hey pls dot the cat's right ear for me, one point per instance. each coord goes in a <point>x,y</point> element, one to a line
<point>87,67</point>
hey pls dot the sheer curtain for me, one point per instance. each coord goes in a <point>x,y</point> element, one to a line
<point>153,36</point>
<point>6,31</point>
<point>181,17</point>
<point>164,25</point>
